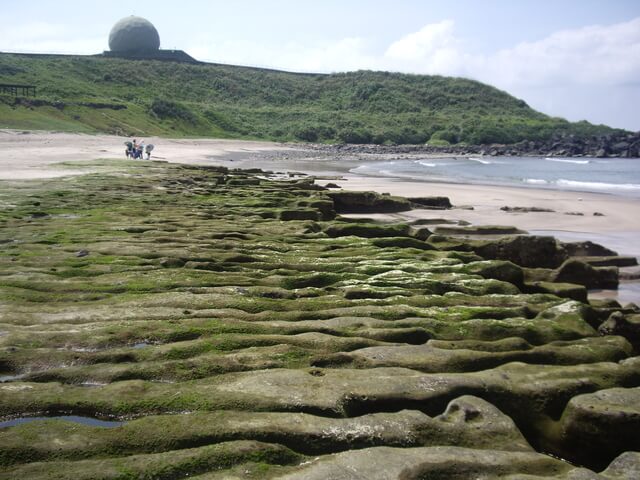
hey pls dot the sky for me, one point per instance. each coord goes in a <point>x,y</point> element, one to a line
<point>575,59</point>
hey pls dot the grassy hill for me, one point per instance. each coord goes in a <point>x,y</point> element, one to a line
<point>140,97</point>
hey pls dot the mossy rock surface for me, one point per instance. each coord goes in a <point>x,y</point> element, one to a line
<point>239,330</point>
<point>368,202</point>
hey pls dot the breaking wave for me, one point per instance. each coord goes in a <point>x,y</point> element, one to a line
<point>565,160</point>
<point>597,185</point>
<point>480,160</point>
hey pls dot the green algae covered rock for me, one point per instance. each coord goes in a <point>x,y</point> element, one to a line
<point>526,251</point>
<point>367,230</point>
<point>564,290</point>
<point>581,273</point>
<point>603,423</point>
<point>367,202</point>
<point>239,330</point>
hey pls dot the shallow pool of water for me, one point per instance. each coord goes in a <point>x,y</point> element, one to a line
<point>92,422</point>
<point>11,378</point>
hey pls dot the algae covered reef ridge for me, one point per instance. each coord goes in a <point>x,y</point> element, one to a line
<point>240,327</point>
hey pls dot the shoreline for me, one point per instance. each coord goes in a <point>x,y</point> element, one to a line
<point>618,220</point>
<point>34,154</point>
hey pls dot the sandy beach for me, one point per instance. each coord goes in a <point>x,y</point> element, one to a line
<point>31,155</point>
<point>34,154</point>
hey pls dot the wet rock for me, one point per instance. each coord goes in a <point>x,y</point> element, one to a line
<point>402,242</point>
<point>172,263</point>
<point>386,463</point>
<point>434,221</point>
<point>526,251</point>
<point>525,209</point>
<point>428,358</point>
<point>627,326</point>
<point>581,273</point>
<point>436,203</point>
<point>467,421</point>
<point>367,230</point>
<point>587,249</point>
<point>222,458</point>
<point>624,467</point>
<point>211,266</point>
<point>313,336</point>
<point>479,230</point>
<point>602,424</point>
<point>367,202</point>
<point>614,261</point>
<point>562,290</point>
<point>498,270</point>
<point>307,214</point>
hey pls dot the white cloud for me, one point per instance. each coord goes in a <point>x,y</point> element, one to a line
<point>42,37</point>
<point>591,55</point>
<point>434,49</point>
<point>425,43</point>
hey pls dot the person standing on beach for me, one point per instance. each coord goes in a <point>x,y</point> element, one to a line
<point>134,150</point>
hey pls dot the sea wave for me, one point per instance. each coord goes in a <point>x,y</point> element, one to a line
<point>480,160</point>
<point>565,160</point>
<point>597,185</point>
<point>425,164</point>
<point>535,181</point>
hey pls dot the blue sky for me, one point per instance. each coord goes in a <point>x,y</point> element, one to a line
<point>567,58</point>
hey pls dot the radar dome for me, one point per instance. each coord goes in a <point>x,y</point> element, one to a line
<point>133,34</point>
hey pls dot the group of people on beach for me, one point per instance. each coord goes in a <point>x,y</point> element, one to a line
<point>137,149</point>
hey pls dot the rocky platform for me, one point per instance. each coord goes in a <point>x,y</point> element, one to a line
<point>227,325</point>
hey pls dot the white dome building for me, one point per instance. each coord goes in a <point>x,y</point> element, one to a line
<point>134,34</point>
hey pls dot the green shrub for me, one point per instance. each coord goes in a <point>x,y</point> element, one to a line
<point>449,136</point>
<point>167,109</point>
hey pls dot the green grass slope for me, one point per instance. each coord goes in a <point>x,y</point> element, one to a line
<point>139,97</point>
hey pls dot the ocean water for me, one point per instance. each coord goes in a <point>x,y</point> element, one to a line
<point>620,176</point>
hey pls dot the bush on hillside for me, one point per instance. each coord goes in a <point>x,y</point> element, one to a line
<point>357,135</point>
<point>315,132</point>
<point>450,136</point>
<point>167,109</point>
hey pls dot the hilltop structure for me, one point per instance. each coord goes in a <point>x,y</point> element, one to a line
<point>134,34</point>
<point>136,38</point>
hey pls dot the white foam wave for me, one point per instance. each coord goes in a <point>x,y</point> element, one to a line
<point>480,160</point>
<point>426,164</point>
<point>535,181</point>
<point>565,160</point>
<point>598,185</point>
